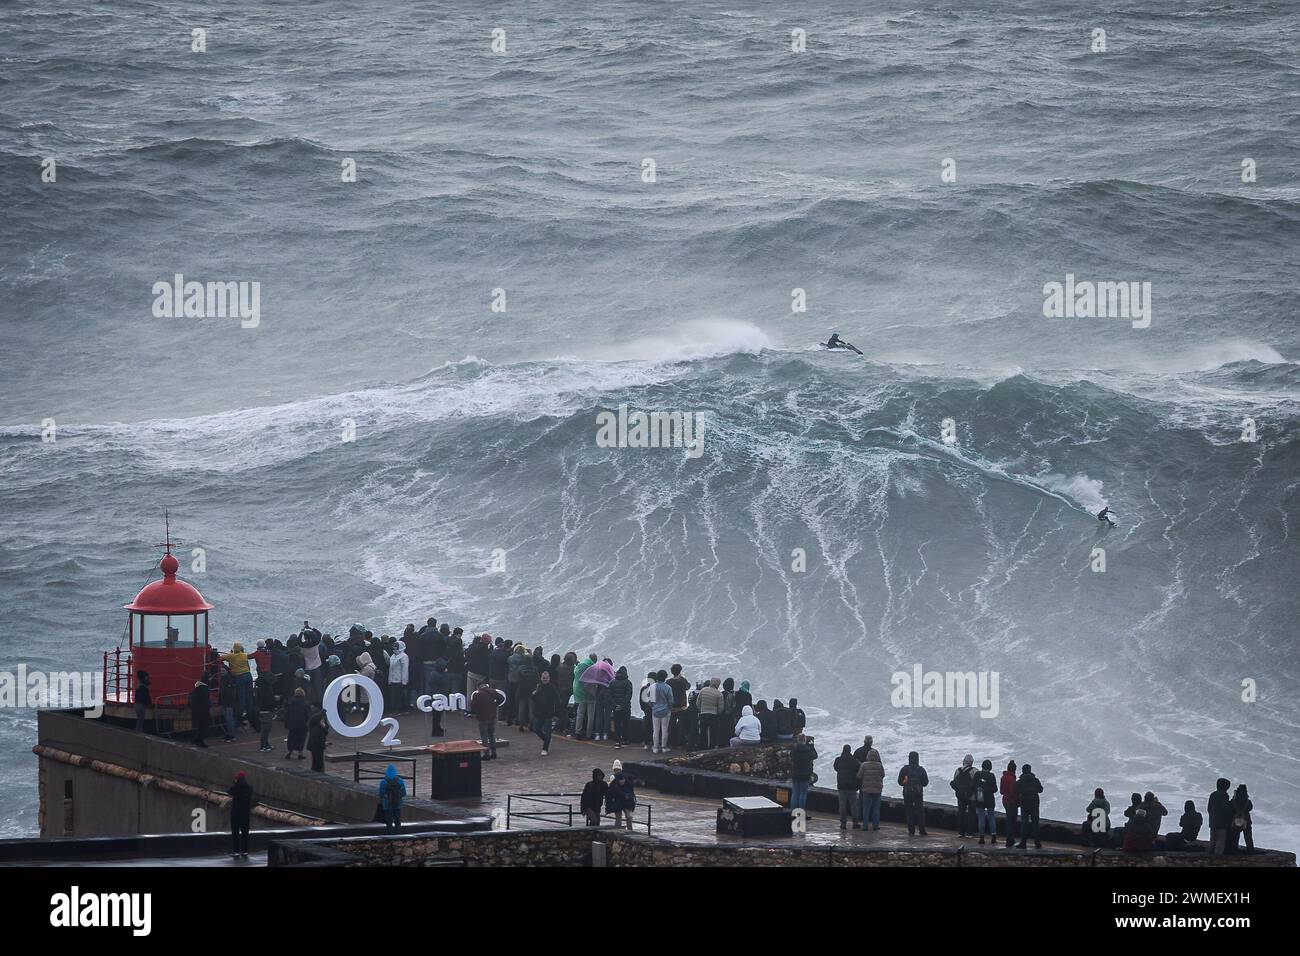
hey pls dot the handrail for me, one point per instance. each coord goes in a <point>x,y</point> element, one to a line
<point>370,757</point>
<point>567,811</point>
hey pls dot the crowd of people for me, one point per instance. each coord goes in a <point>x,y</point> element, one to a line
<point>582,698</point>
<point>860,777</point>
<point>588,698</point>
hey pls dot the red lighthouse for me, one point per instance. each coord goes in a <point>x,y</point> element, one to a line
<point>167,638</point>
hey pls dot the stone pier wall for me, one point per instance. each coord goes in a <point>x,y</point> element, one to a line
<point>124,796</point>
<point>576,847</point>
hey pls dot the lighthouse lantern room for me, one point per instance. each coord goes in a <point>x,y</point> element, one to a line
<point>167,637</point>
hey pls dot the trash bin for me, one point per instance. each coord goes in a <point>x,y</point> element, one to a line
<point>457,770</point>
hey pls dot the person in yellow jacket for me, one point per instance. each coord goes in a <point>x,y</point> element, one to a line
<point>237,660</point>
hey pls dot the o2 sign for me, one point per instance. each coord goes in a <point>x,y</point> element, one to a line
<point>375,715</point>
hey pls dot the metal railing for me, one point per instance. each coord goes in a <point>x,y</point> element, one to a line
<point>118,675</point>
<point>360,773</point>
<point>566,807</point>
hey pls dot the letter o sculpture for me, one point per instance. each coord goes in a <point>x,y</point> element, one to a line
<point>373,714</point>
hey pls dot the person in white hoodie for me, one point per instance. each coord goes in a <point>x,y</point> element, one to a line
<point>399,672</point>
<point>748,729</point>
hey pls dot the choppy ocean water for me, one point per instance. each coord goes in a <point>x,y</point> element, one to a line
<point>775,170</point>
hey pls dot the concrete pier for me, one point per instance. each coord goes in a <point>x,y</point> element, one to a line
<point>102,780</point>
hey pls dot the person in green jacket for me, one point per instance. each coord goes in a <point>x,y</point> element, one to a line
<point>584,724</point>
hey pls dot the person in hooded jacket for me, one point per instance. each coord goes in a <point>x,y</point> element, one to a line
<point>242,676</point>
<point>1010,801</point>
<point>765,721</point>
<point>333,670</point>
<point>1137,832</point>
<point>662,712</point>
<point>1156,812</point>
<point>600,709</point>
<point>871,783</point>
<point>620,799</point>
<point>365,665</point>
<point>1028,789</point>
<point>593,797</point>
<point>545,706</point>
<point>455,658</point>
<point>749,731</point>
<point>913,779</point>
<point>782,722</point>
<point>200,704</point>
<point>1241,823</point>
<point>499,664</point>
<point>1097,820</point>
<point>399,674</point>
<point>983,796</point>
<point>802,759</point>
<point>1135,804</point>
<point>584,722</point>
<point>528,676</point>
<point>646,698</point>
<point>963,781</point>
<point>709,704</point>
<point>846,786</point>
<point>439,683</point>
<point>416,680</point>
<point>564,687</point>
<point>392,794</point>
<point>279,666</point>
<point>798,719</point>
<point>317,730</point>
<point>478,660</point>
<point>485,706</point>
<point>1190,823</point>
<point>143,698</point>
<point>1219,810</point>
<point>241,814</point>
<point>426,638</point>
<point>744,698</point>
<point>620,700</point>
<point>264,697</point>
<point>518,657</point>
<point>227,700</point>
<point>296,712</point>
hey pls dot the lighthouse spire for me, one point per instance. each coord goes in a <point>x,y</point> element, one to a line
<point>168,565</point>
<point>167,526</point>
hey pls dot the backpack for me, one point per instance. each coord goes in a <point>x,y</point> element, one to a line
<point>979,793</point>
<point>728,703</point>
<point>962,783</point>
<point>393,793</point>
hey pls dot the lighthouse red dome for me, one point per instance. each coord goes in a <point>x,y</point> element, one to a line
<point>170,595</point>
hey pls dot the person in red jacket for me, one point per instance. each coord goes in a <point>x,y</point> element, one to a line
<point>484,705</point>
<point>1010,799</point>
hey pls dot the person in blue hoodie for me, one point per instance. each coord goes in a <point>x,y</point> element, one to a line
<point>392,794</point>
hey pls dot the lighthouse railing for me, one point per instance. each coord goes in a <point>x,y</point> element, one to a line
<point>115,688</point>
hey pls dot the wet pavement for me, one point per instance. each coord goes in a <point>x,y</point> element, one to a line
<point>521,769</point>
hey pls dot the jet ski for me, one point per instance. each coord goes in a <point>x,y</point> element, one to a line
<point>837,344</point>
